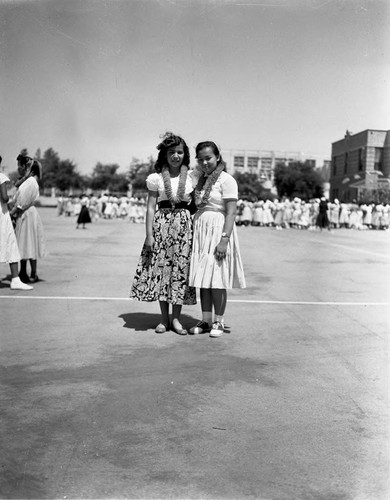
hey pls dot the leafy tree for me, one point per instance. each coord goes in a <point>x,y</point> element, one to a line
<point>250,186</point>
<point>105,177</point>
<point>50,167</point>
<point>298,179</point>
<point>138,172</point>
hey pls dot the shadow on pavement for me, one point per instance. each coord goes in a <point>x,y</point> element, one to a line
<point>148,321</point>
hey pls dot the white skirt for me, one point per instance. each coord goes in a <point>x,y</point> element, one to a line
<point>205,270</point>
<point>9,251</point>
<point>30,235</point>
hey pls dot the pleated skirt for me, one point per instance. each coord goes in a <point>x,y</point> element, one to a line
<point>205,270</point>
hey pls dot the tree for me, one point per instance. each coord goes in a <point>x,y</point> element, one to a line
<point>298,179</point>
<point>138,172</point>
<point>250,186</point>
<point>105,177</point>
<point>57,173</point>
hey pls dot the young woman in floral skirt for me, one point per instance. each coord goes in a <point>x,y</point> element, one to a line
<point>163,268</point>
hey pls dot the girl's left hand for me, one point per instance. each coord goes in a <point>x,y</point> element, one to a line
<point>220,250</point>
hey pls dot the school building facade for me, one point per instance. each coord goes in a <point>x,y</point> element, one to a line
<point>263,163</point>
<point>360,165</point>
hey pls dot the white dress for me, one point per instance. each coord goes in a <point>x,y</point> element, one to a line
<point>9,251</point>
<point>29,228</point>
<point>205,270</point>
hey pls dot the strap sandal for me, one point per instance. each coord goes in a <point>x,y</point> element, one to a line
<point>161,328</point>
<point>180,330</point>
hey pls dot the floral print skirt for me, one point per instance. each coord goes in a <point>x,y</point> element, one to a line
<point>163,274</point>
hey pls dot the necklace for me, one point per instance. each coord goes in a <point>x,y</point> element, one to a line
<point>168,186</point>
<point>207,183</point>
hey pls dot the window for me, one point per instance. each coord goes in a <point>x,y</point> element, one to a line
<point>239,162</point>
<point>334,166</point>
<point>345,163</point>
<point>361,159</point>
<point>253,162</point>
<point>378,159</point>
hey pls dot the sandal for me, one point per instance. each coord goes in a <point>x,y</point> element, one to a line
<point>161,328</point>
<point>180,330</point>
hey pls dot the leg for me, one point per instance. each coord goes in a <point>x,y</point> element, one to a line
<point>206,303</point>
<point>16,282</point>
<point>219,301</point>
<point>164,308</point>
<point>33,265</point>
<point>176,325</point>
<point>219,296</point>
<point>14,269</point>
<point>23,271</point>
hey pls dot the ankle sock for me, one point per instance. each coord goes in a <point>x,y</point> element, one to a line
<point>207,316</point>
<point>219,319</point>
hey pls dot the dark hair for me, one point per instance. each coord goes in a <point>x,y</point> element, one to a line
<point>170,140</point>
<point>215,149</point>
<point>36,169</point>
<point>23,157</point>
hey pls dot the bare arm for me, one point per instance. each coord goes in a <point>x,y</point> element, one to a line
<point>150,211</point>
<point>230,217</point>
<point>4,193</point>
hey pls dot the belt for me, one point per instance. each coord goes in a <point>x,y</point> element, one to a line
<point>177,206</point>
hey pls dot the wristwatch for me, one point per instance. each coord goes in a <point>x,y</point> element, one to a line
<point>225,235</point>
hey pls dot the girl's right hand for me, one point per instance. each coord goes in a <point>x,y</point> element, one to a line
<point>149,243</point>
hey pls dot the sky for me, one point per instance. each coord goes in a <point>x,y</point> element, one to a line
<point>101,80</point>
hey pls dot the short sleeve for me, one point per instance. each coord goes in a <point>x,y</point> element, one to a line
<point>152,182</point>
<point>229,188</point>
<point>194,176</point>
<point>3,178</point>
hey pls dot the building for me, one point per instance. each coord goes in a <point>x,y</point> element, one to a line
<point>263,163</point>
<point>360,165</point>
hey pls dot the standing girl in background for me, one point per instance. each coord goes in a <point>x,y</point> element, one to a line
<point>29,228</point>
<point>163,268</point>
<point>9,251</point>
<point>216,264</point>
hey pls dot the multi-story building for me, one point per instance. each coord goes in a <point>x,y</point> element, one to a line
<point>360,163</point>
<point>262,163</point>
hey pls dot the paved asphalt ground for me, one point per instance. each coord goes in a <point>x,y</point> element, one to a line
<point>291,404</point>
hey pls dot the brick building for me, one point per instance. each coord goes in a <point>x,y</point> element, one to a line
<point>360,164</point>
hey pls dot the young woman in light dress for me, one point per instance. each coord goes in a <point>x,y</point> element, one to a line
<point>9,251</point>
<point>216,264</point>
<point>29,229</point>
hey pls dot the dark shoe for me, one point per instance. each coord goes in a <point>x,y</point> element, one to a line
<point>34,278</point>
<point>180,330</point>
<point>24,277</point>
<point>200,327</point>
<point>161,328</point>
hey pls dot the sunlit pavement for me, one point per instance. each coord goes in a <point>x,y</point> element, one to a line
<point>291,404</point>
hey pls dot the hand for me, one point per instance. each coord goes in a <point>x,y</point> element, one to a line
<point>149,244</point>
<point>220,250</point>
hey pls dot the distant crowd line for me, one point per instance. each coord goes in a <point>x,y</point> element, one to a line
<point>279,214</point>
<point>313,215</point>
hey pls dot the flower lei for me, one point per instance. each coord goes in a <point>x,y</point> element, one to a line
<point>168,186</point>
<point>207,183</point>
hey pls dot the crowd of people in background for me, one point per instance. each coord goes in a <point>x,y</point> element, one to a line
<point>313,215</point>
<point>104,206</point>
<point>279,214</point>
